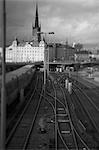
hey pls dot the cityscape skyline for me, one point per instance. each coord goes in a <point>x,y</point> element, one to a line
<point>72,20</point>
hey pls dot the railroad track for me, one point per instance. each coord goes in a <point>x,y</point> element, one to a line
<point>65,127</point>
<point>84,83</point>
<point>88,99</point>
<point>58,132</point>
<point>90,110</point>
<point>90,89</point>
<point>17,138</point>
<point>86,111</point>
<point>17,111</point>
<point>92,92</point>
<point>66,136</point>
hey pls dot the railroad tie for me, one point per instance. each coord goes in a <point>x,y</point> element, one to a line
<point>65,132</point>
<point>61,115</point>
<point>60,108</point>
<point>63,120</point>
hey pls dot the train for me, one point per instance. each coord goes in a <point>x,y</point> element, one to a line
<point>17,80</point>
<point>62,69</point>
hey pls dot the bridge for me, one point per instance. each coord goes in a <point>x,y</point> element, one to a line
<point>52,65</point>
<point>76,65</point>
<point>67,63</point>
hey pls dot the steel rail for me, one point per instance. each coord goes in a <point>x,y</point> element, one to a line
<point>73,125</point>
<point>53,107</point>
<point>76,146</point>
<point>84,82</point>
<point>28,136</point>
<point>56,138</point>
<point>69,119</point>
<point>56,119</point>
<point>75,129</point>
<point>87,111</point>
<point>84,94</point>
<point>26,98</point>
<point>33,121</point>
<point>66,146</point>
<point>90,117</point>
<point>94,105</point>
<point>90,100</point>
<point>21,116</point>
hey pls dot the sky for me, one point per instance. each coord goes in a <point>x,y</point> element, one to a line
<point>72,20</point>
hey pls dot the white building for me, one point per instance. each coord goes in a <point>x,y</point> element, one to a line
<point>24,52</point>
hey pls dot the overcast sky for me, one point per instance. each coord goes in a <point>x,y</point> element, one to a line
<point>75,20</point>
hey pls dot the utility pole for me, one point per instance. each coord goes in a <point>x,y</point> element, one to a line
<point>45,60</point>
<point>3,93</point>
<point>44,65</point>
<point>48,61</point>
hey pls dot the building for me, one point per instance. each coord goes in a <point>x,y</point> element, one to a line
<point>24,52</point>
<point>61,52</point>
<point>31,51</point>
<point>82,56</point>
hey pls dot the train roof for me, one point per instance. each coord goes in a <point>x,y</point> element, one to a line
<point>16,73</point>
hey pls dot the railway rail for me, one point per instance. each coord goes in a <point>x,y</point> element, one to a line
<point>17,137</point>
<point>91,92</point>
<point>49,120</point>
<point>13,116</point>
<point>71,137</point>
<point>89,100</point>
<point>65,127</point>
<point>86,110</point>
<point>91,111</point>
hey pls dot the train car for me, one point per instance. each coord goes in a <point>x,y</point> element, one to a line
<point>59,69</point>
<point>17,80</point>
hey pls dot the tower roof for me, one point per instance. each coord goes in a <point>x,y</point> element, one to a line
<point>36,17</point>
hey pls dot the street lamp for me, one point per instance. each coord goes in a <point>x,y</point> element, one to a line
<point>45,61</point>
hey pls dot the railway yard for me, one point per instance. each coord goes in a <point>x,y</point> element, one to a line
<point>61,115</point>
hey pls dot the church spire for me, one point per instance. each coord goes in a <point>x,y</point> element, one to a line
<point>36,17</point>
<point>36,36</point>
